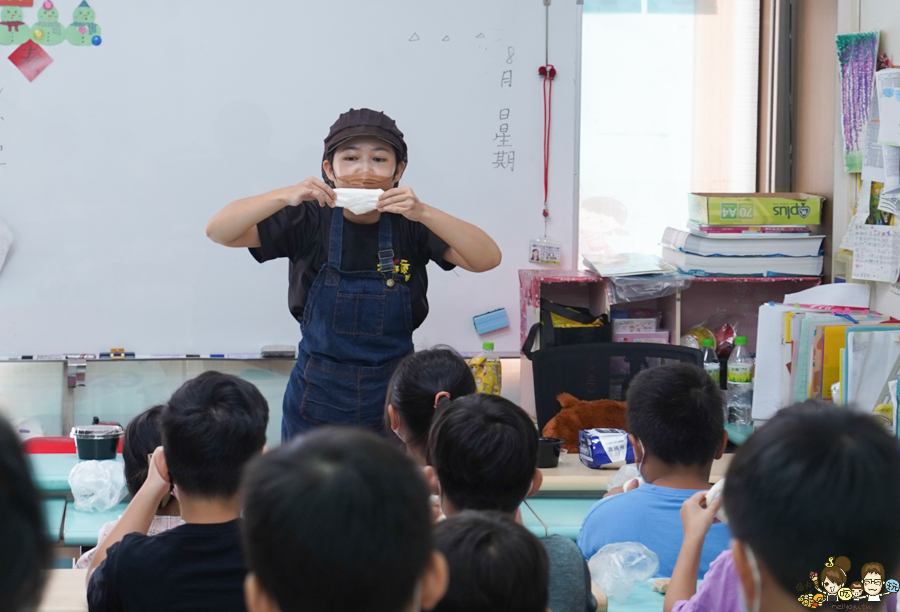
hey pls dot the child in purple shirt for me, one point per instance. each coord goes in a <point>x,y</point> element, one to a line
<point>793,468</point>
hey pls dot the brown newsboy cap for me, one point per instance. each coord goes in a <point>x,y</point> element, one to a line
<point>365,122</point>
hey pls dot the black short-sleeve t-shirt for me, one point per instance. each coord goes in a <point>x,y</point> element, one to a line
<point>302,233</point>
<point>191,567</point>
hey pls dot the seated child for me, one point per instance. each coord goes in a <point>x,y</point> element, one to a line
<point>338,521</point>
<point>676,422</point>
<point>24,549</point>
<point>796,466</point>
<point>212,426</point>
<point>484,450</point>
<point>420,383</point>
<point>142,436</point>
<point>495,564</point>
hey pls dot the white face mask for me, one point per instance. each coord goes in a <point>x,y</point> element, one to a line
<point>757,581</point>
<point>641,462</point>
<point>357,201</point>
<point>396,431</point>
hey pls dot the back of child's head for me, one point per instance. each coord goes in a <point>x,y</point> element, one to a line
<point>484,451</point>
<point>495,564</point>
<point>142,435</point>
<point>337,521</point>
<point>677,412</point>
<point>813,483</point>
<point>24,549</point>
<point>211,427</point>
<point>418,380</point>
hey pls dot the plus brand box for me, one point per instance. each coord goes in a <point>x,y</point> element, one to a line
<point>755,208</point>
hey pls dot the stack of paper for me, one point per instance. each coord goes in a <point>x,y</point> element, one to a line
<point>824,338</point>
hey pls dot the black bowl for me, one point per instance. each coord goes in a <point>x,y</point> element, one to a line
<point>548,452</point>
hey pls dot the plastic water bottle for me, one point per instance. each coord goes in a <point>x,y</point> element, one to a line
<point>740,384</point>
<point>710,361</point>
<point>486,369</point>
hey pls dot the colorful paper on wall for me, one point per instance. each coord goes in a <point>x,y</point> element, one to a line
<point>48,30</point>
<point>13,30</point>
<point>887,83</point>
<point>84,31</point>
<point>30,59</point>
<point>857,55</point>
<point>16,2</point>
<point>876,255</point>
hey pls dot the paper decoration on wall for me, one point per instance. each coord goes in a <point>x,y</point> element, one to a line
<point>877,253</point>
<point>16,2</point>
<point>13,30</point>
<point>30,59</point>
<point>84,32</point>
<point>48,30</point>
<point>857,55</point>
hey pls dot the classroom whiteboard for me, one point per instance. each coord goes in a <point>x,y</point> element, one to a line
<point>114,158</point>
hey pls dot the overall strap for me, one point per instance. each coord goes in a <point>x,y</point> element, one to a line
<point>336,241</point>
<point>385,247</point>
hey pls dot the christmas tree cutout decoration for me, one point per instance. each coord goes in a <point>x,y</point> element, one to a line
<point>84,32</point>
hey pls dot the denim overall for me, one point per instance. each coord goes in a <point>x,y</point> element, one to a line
<point>356,328</point>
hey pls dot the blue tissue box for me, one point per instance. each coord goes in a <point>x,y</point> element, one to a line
<point>599,447</point>
<point>491,321</point>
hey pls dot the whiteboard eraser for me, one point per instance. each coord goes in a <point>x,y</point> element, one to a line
<point>279,351</point>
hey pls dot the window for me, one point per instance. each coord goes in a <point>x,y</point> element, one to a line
<point>669,106</point>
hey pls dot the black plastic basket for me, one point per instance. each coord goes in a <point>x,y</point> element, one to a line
<point>597,371</point>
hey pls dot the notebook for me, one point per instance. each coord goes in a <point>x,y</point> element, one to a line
<point>759,245</point>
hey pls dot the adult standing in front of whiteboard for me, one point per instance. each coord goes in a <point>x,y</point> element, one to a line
<point>358,282</point>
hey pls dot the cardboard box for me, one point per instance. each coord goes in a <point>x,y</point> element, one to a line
<point>622,326</point>
<point>599,447</point>
<point>755,208</point>
<point>652,337</point>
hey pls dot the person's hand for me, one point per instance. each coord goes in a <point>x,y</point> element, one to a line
<point>402,201</point>
<point>311,188</point>
<point>696,516</point>
<point>615,491</point>
<point>432,479</point>
<point>157,481</point>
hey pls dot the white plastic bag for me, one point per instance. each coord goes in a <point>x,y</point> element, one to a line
<point>627,472</point>
<point>97,486</point>
<point>617,567</point>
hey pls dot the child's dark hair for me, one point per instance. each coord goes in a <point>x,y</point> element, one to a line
<point>337,521</point>
<point>495,564</point>
<point>800,490</point>
<point>677,412</point>
<point>24,549</point>
<point>211,427</point>
<point>416,382</point>
<point>484,452</point>
<point>142,435</point>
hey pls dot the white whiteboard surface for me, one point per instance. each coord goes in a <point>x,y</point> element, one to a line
<point>116,156</point>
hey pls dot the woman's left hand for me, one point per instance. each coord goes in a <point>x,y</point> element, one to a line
<point>402,201</point>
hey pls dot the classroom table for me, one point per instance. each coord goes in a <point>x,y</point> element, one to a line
<point>569,491</point>
<point>81,528</point>
<point>54,511</point>
<point>65,591</point>
<point>51,471</point>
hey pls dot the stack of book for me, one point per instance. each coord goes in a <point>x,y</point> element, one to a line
<point>748,235</point>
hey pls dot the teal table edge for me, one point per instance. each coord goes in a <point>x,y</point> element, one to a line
<point>54,514</point>
<point>81,528</point>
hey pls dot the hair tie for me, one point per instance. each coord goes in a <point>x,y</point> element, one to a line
<point>437,398</point>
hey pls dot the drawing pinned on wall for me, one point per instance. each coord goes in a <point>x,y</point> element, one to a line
<point>13,30</point>
<point>445,39</point>
<point>414,37</point>
<point>857,55</point>
<point>48,30</point>
<point>16,2</point>
<point>84,32</point>
<point>480,36</point>
<point>30,59</point>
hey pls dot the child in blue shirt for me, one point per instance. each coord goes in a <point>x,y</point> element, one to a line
<point>676,422</point>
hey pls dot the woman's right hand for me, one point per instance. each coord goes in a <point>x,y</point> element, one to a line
<point>311,188</point>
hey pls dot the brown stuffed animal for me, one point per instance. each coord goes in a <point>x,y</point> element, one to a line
<point>577,415</point>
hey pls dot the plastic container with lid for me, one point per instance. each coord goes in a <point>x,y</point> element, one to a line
<point>486,370</point>
<point>99,442</point>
